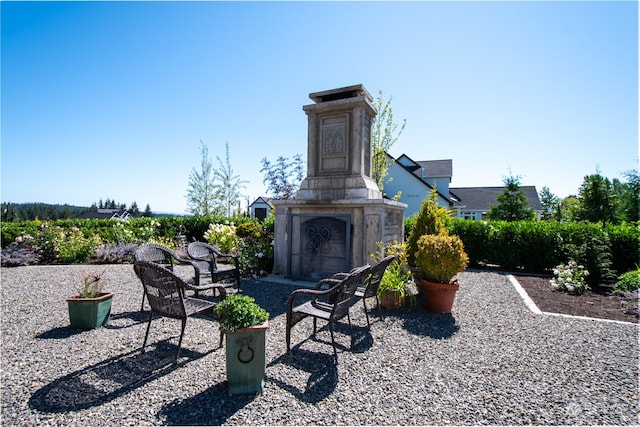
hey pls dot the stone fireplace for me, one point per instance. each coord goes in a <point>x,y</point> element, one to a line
<point>339,213</point>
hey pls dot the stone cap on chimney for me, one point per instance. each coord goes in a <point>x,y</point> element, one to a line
<point>340,93</point>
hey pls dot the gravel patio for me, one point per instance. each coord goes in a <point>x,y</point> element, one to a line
<point>492,361</point>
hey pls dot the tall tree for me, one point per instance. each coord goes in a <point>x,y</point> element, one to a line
<point>550,203</point>
<point>147,212</point>
<point>283,178</point>
<point>628,201</point>
<point>201,193</point>
<point>384,134</point>
<point>134,210</point>
<point>512,203</point>
<point>227,186</point>
<point>596,199</point>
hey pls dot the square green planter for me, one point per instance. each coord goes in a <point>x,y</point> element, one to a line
<point>89,313</point>
<point>246,359</point>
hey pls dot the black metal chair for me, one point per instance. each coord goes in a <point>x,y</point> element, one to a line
<point>166,294</point>
<point>208,259</point>
<point>371,284</point>
<point>330,304</point>
<point>168,259</point>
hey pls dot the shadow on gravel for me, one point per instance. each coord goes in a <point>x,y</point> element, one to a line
<point>59,333</point>
<point>116,321</point>
<point>127,319</point>
<point>436,326</point>
<point>323,374</point>
<point>109,379</point>
<point>211,407</point>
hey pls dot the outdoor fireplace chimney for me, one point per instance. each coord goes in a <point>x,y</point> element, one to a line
<point>338,214</point>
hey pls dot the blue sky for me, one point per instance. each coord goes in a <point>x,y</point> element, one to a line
<point>110,100</point>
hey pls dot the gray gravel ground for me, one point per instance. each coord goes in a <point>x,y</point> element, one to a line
<point>491,362</point>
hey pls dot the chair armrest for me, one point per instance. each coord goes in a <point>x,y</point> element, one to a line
<point>221,289</point>
<point>330,282</point>
<point>316,293</point>
<point>196,269</point>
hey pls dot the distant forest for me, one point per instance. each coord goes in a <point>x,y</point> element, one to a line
<point>15,212</point>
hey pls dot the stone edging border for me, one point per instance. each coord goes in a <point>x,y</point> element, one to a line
<point>534,308</point>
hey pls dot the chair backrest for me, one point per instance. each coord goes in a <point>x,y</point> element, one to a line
<point>158,254</point>
<point>372,282</point>
<point>204,256</point>
<point>164,290</point>
<point>341,300</point>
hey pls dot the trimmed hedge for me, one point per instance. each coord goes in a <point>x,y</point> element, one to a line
<point>539,246</point>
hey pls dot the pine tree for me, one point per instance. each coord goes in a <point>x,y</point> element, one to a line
<point>512,203</point>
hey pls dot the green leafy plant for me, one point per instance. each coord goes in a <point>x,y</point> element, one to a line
<point>238,311</point>
<point>440,257</point>
<point>570,277</point>
<point>628,282</point>
<point>397,275</point>
<point>91,285</point>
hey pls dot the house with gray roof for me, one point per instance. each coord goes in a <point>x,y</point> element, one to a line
<point>411,181</point>
<point>476,202</point>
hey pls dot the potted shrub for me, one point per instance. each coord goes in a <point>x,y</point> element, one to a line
<point>438,259</point>
<point>430,219</point>
<point>91,307</point>
<point>244,324</point>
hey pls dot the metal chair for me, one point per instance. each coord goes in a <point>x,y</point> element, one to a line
<point>166,294</point>
<point>168,259</point>
<point>330,304</point>
<point>371,284</point>
<point>207,258</point>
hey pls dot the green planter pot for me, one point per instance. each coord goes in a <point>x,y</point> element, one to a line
<point>246,359</point>
<point>89,313</point>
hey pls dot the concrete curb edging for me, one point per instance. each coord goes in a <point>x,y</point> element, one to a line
<point>534,308</point>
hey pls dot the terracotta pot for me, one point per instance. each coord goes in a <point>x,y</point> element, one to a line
<point>391,299</point>
<point>438,297</point>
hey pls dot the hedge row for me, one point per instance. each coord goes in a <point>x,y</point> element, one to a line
<point>113,231</point>
<point>539,246</point>
<point>536,246</point>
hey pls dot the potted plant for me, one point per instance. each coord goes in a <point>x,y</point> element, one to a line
<point>91,307</point>
<point>394,286</point>
<point>439,258</point>
<point>244,324</point>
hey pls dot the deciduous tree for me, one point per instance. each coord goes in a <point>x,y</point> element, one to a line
<point>384,134</point>
<point>283,178</point>
<point>201,192</point>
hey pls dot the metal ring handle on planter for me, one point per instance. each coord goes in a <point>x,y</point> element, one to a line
<point>242,356</point>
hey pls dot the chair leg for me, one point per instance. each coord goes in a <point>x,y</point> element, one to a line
<point>333,341</point>
<point>350,329</point>
<point>364,302</point>
<point>142,304</point>
<point>184,323</point>
<point>379,307</point>
<point>221,338</point>
<point>146,335</point>
<point>288,331</point>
